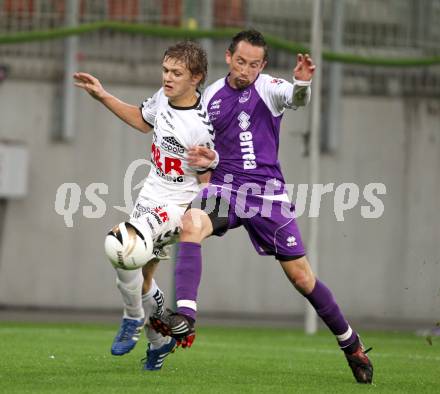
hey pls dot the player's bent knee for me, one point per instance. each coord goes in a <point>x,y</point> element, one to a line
<point>195,224</point>
<point>300,274</point>
<point>132,285</point>
<point>304,282</point>
<point>127,247</point>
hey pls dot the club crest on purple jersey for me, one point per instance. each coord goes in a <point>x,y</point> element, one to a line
<point>245,96</point>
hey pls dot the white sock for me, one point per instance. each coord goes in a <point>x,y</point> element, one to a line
<point>130,285</point>
<point>153,300</point>
<point>153,289</point>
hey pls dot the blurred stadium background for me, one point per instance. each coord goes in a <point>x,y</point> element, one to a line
<point>382,125</point>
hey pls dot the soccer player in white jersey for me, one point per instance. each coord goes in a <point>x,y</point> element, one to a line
<point>179,122</point>
<point>246,108</point>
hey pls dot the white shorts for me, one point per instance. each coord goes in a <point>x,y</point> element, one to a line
<point>163,222</point>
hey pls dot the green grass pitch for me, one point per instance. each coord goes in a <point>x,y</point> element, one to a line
<point>74,358</point>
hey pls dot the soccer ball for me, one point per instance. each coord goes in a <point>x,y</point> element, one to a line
<point>127,248</point>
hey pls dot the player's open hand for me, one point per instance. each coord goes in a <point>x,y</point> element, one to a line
<point>304,67</point>
<point>90,84</point>
<point>200,156</point>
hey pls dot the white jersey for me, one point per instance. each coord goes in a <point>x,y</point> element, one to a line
<point>171,180</point>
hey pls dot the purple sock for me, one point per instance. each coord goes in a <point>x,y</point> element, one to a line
<point>328,310</point>
<point>188,273</point>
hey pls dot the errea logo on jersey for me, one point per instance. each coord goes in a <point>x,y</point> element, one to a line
<point>216,104</point>
<point>243,120</point>
<point>291,241</point>
<point>246,143</point>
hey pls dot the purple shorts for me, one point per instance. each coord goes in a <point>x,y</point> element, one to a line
<point>271,224</point>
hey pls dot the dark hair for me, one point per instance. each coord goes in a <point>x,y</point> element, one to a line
<point>192,55</point>
<point>251,36</point>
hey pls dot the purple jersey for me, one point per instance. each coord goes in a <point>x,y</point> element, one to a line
<point>247,127</point>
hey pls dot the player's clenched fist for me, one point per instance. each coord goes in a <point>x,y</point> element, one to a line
<point>90,84</point>
<point>304,68</point>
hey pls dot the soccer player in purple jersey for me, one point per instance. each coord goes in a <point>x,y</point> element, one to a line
<point>246,109</point>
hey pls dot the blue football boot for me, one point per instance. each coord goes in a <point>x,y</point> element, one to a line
<point>127,336</point>
<point>156,357</point>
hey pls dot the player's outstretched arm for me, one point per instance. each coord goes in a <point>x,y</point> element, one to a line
<point>304,68</point>
<point>130,114</point>
<point>302,76</point>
